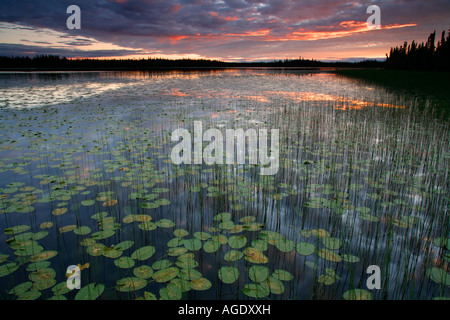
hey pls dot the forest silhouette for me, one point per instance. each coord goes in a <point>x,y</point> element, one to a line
<point>424,56</point>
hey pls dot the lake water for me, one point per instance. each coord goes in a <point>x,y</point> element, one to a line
<point>87,178</point>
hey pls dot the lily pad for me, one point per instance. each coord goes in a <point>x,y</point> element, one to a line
<point>124,262</point>
<point>143,272</point>
<point>305,248</point>
<point>237,242</point>
<point>143,253</point>
<point>357,294</point>
<point>228,275</point>
<point>130,284</point>
<point>258,273</point>
<point>233,255</point>
<point>166,274</point>
<point>201,284</point>
<point>255,290</point>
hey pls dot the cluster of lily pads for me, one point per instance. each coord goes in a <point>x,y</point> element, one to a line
<point>104,194</point>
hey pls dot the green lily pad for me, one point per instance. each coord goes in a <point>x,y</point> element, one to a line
<point>143,272</point>
<point>285,245</point>
<point>202,235</point>
<point>165,223</point>
<point>161,264</point>
<point>192,244</point>
<point>124,262</point>
<point>130,284</point>
<point>176,251</point>
<point>171,292</point>
<point>147,226</point>
<point>439,275</point>
<point>201,284</point>
<point>228,275</point>
<point>258,273</point>
<point>180,233</point>
<point>329,255</point>
<point>166,274</point>
<point>44,255</point>
<point>357,294</point>
<point>124,245</point>
<point>17,229</point>
<point>143,253</point>
<point>211,246</point>
<point>305,248</point>
<point>256,290</point>
<point>21,288</point>
<point>237,242</point>
<point>282,275</point>
<point>81,231</point>
<point>233,255</point>
<point>275,285</point>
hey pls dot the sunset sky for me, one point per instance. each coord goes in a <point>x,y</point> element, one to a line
<point>235,30</point>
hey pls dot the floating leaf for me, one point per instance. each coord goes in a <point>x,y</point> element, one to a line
<point>255,290</point>
<point>143,272</point>
<point>124,245</point>
<point>192,244</point>
<point>81,231</point>
<point>439,275</point>
<point>124,262</point>
<point>176,251</point>
<point>211,246</point>
<point>166,274</point>
<point>282,275</point>
<point>190,274</point>
<point>237,242</point>
<point>180,233</point>
<point>305,248</point>
<point>233,255</point>
<point>59,211</point>
<point>255,256</point>
<point>201,284</point>
<point>165,223</point>
<point>357,294</point>
<point>275,285</point>
<point>88,203</point>
<point>21,288</point>
<point>130,284</point>
<point>285,245</point>
<point>17,229</point>
<point>143,253</point>
<point>228,274</point>
<point>171,292</point>
<point>44,255</point>
<point>329,255</point>
<point>8,268</point>
<point>258,273</point>
<point>161,264</point>
<point>202,235</point>
<point>147,226</point>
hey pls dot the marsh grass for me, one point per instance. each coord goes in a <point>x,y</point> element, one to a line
<point>364,182</point>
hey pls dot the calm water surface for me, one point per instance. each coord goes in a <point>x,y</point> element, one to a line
<point>86,178</point>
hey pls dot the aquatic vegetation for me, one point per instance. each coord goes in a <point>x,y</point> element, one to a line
<point>359,184</point>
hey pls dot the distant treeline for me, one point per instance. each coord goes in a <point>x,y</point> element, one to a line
<point>52,62</point>
<point>423,56</point>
